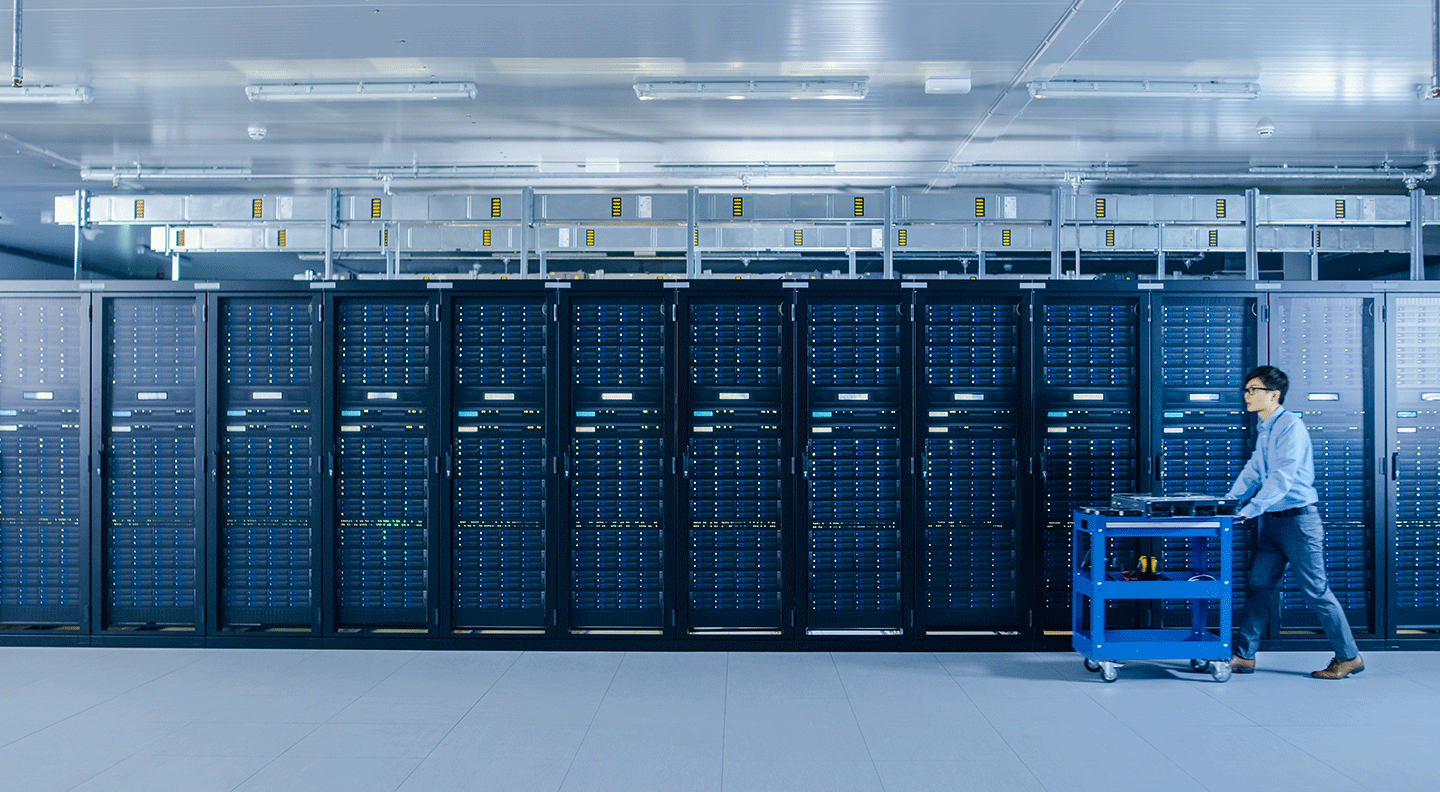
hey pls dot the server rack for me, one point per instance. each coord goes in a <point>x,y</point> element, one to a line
<point>615,465</point>
<point>1413,426</point>
<point>382,463</point>
<point>968,359</point>
<point>148,550</point>
<point>1088,395</point>
<point>1205,345</point>
<point>44,418</point>
<point>499,576</point>
<point>735,464</point>
<point>1325,344</point>
<point>268,509</point>
<point>852,464</point>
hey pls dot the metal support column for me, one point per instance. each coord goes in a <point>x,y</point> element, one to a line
<point>692,248</point>
<point>174,266</point>
<point>892,197</point>
<point>1314,252</point>
<point>1057,220</point>
<point>850,254</point>
<point>1160,251</point>
<point>332,220</point>
<point>544,265</point>
<point>979,251</point>
<point>1417,234</point>
<point>82,216</point>
<point>1252,255</point>
<point>527,230</point>
<point>18,73</point>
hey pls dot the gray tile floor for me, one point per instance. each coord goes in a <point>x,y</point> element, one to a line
<point>356,721</point>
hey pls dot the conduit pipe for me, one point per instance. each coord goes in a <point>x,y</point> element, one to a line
<point>17,73</point>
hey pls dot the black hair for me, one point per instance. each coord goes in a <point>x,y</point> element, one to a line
<point>1272,378</point>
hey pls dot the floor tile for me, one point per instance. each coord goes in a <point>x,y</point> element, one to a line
<point>1246,758</point>
<point>630,773</point>
<point>1139,774</point>
<point>991,775</point>
<point>427,706</point>
<point>315,707</point>
<point>307,774</point>
<point>819,730</point>
<point>378,740</point>
<point>462,774</point>
<point>765,676</point>
<point>801,775</point>
<point>266,740</point>
<point>1383,758</point>
<point>175,774</point>
<point>919,729</point>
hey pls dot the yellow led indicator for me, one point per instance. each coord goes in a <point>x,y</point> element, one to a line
<point>485,237</point>
<point>280,238</point>
<point>1110,237</point>
<point>1214,239</point>
<point>494,207</point>
<point>257,208</point>
<point>1099,208</point>
<point>375,207</point>
<point>1219,208</point>
<point>697,236</point>
<point>589,237</point>
<point>1317,237</point>
<point>979,207</point>
<point>799,236</point>
<point>737,207</point>
<point>1339,208</point>
<point>1005,237</point>
<point>860,207</point>
<point>902,237</point>
<point>139,210</point>
<point>385,238</point>
<point>614,207</point>
<point>180,239</point>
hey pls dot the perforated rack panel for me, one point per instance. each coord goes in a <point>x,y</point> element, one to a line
<point>852,466</point>
<point>1323,345</point>
<point>971,543</point>
<point>617,455</point>
<point>1415,463</point>
<point>733,466</point>
<point>152,464</point>
<point>1206,346</point>
<point>269,463</point>
<point>43,387</point>
<point>499,464</point>
<point>383,395</point>
<point>1088,399</point>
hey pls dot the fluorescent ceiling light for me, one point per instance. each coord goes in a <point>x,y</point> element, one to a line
<point>947,85</point>
<point>360,92</point>
<point>826,88</point>
<point>1159,89</point>
<point>47,94</point>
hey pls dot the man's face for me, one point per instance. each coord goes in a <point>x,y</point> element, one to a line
<point>1257,398</point>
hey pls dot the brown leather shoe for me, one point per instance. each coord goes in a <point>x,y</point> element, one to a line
<point>1240,665</point>
<point>1339,669</point>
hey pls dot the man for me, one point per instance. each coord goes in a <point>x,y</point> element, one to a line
<point>1279,483</point>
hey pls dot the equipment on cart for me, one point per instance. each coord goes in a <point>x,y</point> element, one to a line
<point>1182,504</point>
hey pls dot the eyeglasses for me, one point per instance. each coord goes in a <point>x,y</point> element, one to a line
<point>1248,391</point>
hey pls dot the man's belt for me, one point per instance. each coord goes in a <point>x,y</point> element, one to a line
<point>1295,512</point>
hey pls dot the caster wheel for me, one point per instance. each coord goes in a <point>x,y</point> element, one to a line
<point>1220,670</point>
<point>1109,672</point>
<point>1199,666</point>
<point>1091,665</point>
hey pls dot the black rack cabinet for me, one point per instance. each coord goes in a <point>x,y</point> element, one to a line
<point>152,521</point>
<point>1414,423</point>
<point>1088,399</point>
<point>971,547</point>
<point>852,467</point>
<point>1205,344</point>
<point>384,396</point>
<point>499,397</point>
<point>732,466</point>
<point>268,441</point>
<point>43,525</point>
<point>616,464</point>
<point>1325,346</point>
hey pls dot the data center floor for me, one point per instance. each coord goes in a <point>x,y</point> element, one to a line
<point>200,720</point>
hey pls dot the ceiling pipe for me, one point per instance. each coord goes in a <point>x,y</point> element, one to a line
<point>1434,92</point>
<point>17,73</point>
<point>1009,174</point>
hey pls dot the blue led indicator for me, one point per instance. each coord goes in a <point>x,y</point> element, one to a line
<point>584,413</point>
<point>704,413</point>
<point>9,412</point>
<point>120,414</point>
<point>1397,415</point>
<point>469,413</point>
<point>1175,415</point>
<point>235,413</point>
<point>822,415</point>
<point>350,413</point>
<point>1057,415</point>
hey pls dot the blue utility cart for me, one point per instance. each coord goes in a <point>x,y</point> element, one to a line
<point>1106,649</point>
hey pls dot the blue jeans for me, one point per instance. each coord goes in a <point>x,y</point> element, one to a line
<point>1300,542</point>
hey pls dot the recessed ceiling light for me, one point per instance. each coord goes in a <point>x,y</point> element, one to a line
<point>47,94</point>
<point>1151,89</point>
<point>360,92</point>
<point>947,85</point>
<point>818,88</point>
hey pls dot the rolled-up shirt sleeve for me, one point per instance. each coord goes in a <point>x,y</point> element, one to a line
<point>1286,453</point>
<point>1249,479</point>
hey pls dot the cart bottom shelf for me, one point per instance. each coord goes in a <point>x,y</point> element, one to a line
<point>1154,644</point>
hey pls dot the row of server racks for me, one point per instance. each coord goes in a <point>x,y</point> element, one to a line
<point>749,464</point>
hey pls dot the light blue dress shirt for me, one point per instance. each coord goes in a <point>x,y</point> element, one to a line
<point>1281,473</point>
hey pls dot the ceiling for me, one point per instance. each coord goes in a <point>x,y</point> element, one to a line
<point>1337,79</point>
